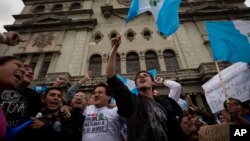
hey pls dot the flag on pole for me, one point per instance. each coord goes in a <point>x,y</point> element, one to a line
<point>165,13</point>
<point>129,83</point>
<point>230,40</point>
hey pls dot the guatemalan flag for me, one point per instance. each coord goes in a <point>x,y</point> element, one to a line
<point>131,84</point>
<point>230,40</point>
<point>165,13</point>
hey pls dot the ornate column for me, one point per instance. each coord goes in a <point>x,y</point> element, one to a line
<point>142,61</point>
<point>161,61</point>
<point>104,64</point>
<point>123,64</point>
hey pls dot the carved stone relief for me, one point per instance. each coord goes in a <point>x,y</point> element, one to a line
<point>43,39</point>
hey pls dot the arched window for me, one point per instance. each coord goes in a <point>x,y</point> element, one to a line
<point>75,6</point>
<point>133,64</point>
<point>95,65</point>
<point>118,64</point>
<point>57,7</point>
<point>170,60</point>
<point>151,60</point>
<point>39,9</point>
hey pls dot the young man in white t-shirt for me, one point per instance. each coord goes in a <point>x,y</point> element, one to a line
<point>101,122</point>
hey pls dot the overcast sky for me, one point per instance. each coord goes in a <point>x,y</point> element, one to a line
<point>12,7</point>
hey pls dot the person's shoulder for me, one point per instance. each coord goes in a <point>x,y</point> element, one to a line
<point>169,104</point>
<point>111,110</point>
<point>31,92</point>
<point>89,108</point>
<point>114,108</point>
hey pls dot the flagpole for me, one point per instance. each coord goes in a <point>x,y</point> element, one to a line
<point>122,30</point>
<point>221,81</point>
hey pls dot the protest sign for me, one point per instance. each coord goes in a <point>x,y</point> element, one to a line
<point>237,82</point>
<point>214,133</point>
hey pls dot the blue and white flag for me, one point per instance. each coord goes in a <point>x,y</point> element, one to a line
<point>165,13</point>
<point>131,84</point>
<point>40,89</point>
<point>182,103</point>
<point>230,40</point>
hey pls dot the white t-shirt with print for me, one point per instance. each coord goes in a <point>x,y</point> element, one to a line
<point>101,124</point>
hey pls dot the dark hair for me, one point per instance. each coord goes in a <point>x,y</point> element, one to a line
<point>49,89</point>
<point>5,59</point>
<point>107,88</point>
<point>79,91</point>
<point>225,102</point>
<point>28,66</point>
<point>152,78</point>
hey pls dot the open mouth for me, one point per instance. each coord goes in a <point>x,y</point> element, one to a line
<point>78,102</point>
<point>142,81</point>
<point>96,98</point>
<point>54,103</point>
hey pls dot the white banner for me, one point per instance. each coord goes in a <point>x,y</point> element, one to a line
<point>237,81</point>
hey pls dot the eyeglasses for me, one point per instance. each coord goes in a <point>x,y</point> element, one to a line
<point>79,97</point>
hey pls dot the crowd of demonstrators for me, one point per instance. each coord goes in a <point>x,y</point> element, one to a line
<point>148,117</point>
<point>53,125</point>
<point>144,117</point>
<point>20,103</point>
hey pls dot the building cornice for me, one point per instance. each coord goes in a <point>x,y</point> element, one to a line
<point>61,13</point>
<point>50,1</point>
<point>185,3</point>
<point>227,14</point>
<point>85,24</point>
<point>190,15</point>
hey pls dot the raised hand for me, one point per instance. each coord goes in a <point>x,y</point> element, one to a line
<point>13,38</point>
<point>159,80</point>
<point>88,75</point>
<point>115,42</point>
<point>59,80</point>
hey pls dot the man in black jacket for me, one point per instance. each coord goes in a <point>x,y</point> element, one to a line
<point>148,118</point>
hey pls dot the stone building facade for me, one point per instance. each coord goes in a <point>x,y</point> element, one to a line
<point>70,37</point>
